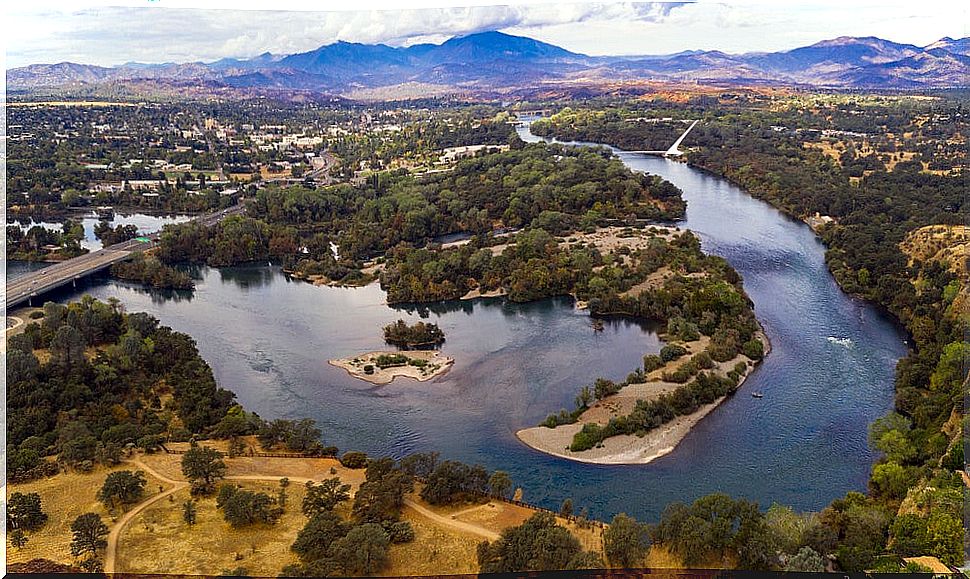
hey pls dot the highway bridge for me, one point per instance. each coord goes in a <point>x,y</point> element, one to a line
<point>37,283</point>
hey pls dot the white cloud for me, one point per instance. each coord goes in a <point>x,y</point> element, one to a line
<point>92,32</point>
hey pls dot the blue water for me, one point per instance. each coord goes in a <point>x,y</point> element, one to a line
<point>269,338</point>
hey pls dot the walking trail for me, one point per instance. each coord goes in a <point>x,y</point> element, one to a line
<point>111,552</point>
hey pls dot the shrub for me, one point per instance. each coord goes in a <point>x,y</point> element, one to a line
<point>753,349</point>
<point>652,362</point>
<point>399,532</point>
<point>703,361</point>
<point>354,460</point>
<point>671,352</point>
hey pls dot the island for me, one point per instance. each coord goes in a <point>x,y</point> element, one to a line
<point>384,367</point>
<point>418,335</point>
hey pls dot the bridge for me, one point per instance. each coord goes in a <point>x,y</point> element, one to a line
<point>674,150</point>
<point>34,284</point>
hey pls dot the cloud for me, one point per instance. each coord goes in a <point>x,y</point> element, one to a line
<point>116,34</point>
<point>107,35</point>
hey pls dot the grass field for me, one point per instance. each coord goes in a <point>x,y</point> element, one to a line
<point>64,497</point>
<point>158,540</point>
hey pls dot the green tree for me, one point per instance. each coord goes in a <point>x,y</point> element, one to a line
<point>122,487</point>
<point>626,542</point>
<point>566,508</point>
<point>89,535</point>
<point>203,466</point>
<point>67,346</point>
<point>24,512</point>
<point>500,483</point>
<point>189,512</point>
<point>889,480</point>
<point>324,496</point>
<point>316,539</point>
<point>364,549</point>
<point>381,496</point>
<point>241,508</point>
<point>18,538</point>
<point>538,544</point>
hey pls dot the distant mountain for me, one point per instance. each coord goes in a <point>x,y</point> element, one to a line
<point>495,61</point>
<point>45,75</point>
<point>961,46</point>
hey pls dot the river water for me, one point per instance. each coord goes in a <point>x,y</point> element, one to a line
<point>830,373</point>
<point>146,224</point>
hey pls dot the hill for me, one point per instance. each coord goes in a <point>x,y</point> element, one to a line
<point>489,61</point>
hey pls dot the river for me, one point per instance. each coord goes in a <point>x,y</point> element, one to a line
<point>830,372</point>
<point>145,223</point>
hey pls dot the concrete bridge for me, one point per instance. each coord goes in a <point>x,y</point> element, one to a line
<point>37,283</point>
<point>674,150</point>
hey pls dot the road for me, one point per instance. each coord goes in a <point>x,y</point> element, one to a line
<point>39,282</point>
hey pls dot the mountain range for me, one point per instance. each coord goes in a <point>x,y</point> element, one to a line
<point>490,61</point>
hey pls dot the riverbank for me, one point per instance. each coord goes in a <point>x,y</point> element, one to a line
<point>379,368</point>
<point>628,448</point>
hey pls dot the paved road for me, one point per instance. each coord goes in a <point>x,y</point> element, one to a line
<point>39,282</point>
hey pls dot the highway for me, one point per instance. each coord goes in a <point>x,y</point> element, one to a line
<point>36,283</point>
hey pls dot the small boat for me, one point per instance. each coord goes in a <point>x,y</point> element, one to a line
<point>757,395</point>
<point>597,325</point>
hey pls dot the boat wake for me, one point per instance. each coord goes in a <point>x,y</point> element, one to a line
<point>846,342</point>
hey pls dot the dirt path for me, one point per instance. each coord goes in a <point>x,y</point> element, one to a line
<point>111,552</point>
<point>449,522</point>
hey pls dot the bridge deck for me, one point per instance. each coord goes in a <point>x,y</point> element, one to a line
<point>39,282</point>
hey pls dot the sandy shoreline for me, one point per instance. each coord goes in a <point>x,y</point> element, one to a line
<point>437,365</point>
<point>629,448</point>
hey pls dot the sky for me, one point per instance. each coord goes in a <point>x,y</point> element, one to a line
<point>107,33</point>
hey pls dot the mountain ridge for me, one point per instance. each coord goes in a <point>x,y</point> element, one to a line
<point>495,60</point>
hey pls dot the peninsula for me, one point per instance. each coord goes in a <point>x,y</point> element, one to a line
<point>656,388</point>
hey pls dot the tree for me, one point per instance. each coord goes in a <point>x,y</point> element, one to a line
<point>316,539</point>
<point>500,483</point>
<point>420,464</point>
<point>88,535</point>
<point>381,496</point>
<point>806,561</point>
<point>202,466</point>
<point>452,481</point>
<point>241,507</point>
<point>124,487</point>
<point>889,480</point>
<point>324,496</point>
<point>566,509</point>
<point>364,549</point>
<point>67,346</point>
<point>189,512</point>
<point>24,512</point>
<point>18,538</point>
<point>625,542</point>
<point>537,544</point>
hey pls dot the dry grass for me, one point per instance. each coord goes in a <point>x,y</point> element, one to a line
<point>159,541</point>
<point>64,497</point>
<point>170,465</point>
<point>435,550</point>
